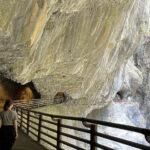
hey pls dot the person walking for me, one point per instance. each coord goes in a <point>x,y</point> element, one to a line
<point>8,126</point>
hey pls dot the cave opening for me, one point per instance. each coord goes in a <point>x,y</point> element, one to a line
<point>10,89</point>
<point>61,97</point>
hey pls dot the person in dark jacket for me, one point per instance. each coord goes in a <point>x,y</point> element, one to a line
<point>8,126</point>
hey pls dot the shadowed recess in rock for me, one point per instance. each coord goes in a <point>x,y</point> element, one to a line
<point>16,91</point>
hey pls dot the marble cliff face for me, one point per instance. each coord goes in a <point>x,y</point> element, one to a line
<point>90,49</point>
<point>96,51</point>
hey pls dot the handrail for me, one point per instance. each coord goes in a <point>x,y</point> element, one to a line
<point>90,129</point>
<point>34,103</point>
<point>104,123</point>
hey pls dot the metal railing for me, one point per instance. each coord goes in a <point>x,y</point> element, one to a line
<point>39,125</point>
<point>34,103</point>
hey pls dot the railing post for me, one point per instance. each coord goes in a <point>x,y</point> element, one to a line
<point>59,122</point>
<point>16,108</point>
<point>59,133</point>
<point>28,118</point>
<point>21,117</point>
<point>39,128</point>
<point>93,137</point>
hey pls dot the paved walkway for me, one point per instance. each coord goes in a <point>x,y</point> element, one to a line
<point>26,143</point>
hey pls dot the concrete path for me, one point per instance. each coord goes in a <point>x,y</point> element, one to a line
<point>26,143</point>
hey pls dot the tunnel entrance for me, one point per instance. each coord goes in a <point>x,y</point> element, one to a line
<point>10,89</point>
<point>27,91</point>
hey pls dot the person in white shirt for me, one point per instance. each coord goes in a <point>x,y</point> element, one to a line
<point>8,126</point>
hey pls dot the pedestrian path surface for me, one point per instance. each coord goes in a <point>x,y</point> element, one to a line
<point>26,143</point>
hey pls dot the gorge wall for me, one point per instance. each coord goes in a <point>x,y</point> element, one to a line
<point>96,51</point>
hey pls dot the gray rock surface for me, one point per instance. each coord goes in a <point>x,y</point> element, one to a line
<point>129,115</point>
<point>143,63</point>
<point>96,51</point>
<point>73,46</point>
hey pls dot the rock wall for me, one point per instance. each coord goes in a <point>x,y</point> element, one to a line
<point>73,46</point>
<point>142,58</point>
<point>124,113</point>
<point>90,49</point>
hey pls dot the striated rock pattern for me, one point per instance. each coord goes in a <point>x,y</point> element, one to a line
<point>129,115</point>
<point>142,59</point>
<point>73,46</point>
<point>70,46</point>
<point>92,50</point>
